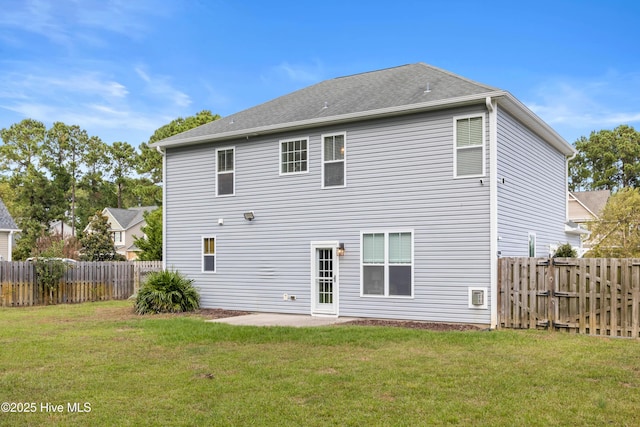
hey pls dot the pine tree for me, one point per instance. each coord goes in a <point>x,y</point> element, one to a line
<point>96,242</point>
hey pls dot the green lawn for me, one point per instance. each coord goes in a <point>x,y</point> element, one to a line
<point>179,370</point>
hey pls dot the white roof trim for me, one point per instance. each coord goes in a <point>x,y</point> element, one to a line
<point>505,99</point>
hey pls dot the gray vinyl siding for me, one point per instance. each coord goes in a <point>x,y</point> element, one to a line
<point>399,176</point>
<point>533,197</point>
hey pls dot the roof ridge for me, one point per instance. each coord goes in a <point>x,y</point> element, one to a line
<point>369,72</point>
<point>458,76</point>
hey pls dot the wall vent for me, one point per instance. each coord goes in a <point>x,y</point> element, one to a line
<point>478,297</point>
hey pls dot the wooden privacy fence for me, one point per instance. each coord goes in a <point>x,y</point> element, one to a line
<point>596,296</point>
<point>82,281</point>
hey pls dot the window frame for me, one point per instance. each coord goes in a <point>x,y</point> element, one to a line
<point>218,173</point>
<point>280,152</point>
<point>456,148</point>
<point>203,254</point>
<point>531,245</point>
<point>386,264</point>
<point>120,234</point>
<point>343,160</point>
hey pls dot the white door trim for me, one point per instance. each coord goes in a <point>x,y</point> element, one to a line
<point>318,309</point>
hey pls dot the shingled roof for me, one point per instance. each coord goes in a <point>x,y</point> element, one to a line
<point>129,217</point>
<point>6,221</point>
<point>594,201</point>
<point>392,91</point>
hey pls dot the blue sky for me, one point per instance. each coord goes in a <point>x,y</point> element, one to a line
<point>122,68</point>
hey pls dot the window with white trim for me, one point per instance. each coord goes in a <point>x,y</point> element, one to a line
<point>333,160</point>
<point>117,237</point>
<point>387,264</point>
<point>209,254</point>
<point>293,156</point>
<point>469,154</point>
<point>532,245</point>
<point>225,171</point>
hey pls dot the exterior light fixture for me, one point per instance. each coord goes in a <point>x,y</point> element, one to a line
<point>249,216</point>
<point>340,249</point>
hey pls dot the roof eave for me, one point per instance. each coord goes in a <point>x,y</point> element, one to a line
<point>504,98</point>
<point>344,118</point>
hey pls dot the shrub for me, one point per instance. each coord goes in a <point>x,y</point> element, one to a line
<point>167,292</point>
<point>565,251</point>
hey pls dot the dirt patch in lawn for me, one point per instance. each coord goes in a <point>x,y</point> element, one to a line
<point>218,313</point>
<point>128,313</point>
<point>432,326</point>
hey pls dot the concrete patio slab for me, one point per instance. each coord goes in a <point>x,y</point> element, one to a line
<point>278,319</point>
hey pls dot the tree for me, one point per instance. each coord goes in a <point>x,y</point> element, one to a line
<point>150,163</point>
<point>151,245</point>
<point>617,232</point>
<point>124,160</point>
<point>607,160</point>
<point>64,153</point>
<point>36,200</point>
<point>96,242</point>
<point>95,191</point>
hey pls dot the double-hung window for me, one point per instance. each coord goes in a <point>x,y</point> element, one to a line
<point>387,264</point>
<point>469,154</point>
<point>225,171</point>
<point>293,156</point>
<point>333,160</point>
<point>209,254</point>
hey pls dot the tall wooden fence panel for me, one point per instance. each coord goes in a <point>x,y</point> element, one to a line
<point>596,296</point>
<point>82,281</point>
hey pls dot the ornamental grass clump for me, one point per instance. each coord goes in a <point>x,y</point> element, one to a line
<point>167,292</point>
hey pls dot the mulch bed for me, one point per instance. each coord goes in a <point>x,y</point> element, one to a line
<point>216,313</point>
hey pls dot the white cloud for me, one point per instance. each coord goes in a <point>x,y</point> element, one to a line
<point>578,106</point>
<point>68,22</point>
<point>159,86</point>
<point>97,102</point>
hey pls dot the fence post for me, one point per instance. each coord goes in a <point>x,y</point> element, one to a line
<point>550,281</point>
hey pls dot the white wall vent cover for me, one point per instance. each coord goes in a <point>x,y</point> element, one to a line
<point>478,297</point>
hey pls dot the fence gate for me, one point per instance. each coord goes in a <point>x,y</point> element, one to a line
<point>596,296</point>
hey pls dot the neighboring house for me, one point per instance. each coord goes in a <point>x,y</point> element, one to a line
<point>584,207</point>
<point>60,228</point>
<point>387,194</point>
<point>124,224</point>
<point>8,228</point>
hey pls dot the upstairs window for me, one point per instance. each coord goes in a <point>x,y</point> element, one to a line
<point>117,237</point>
<point>333,160</point>
<point>293,156</point>
<point>225,172</point>
<point>469,146</point>
<point>209,254</point>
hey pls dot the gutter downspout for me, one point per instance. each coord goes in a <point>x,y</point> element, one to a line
<point>566,174</point>
<point>493,207</point>
<point>164,207</point>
